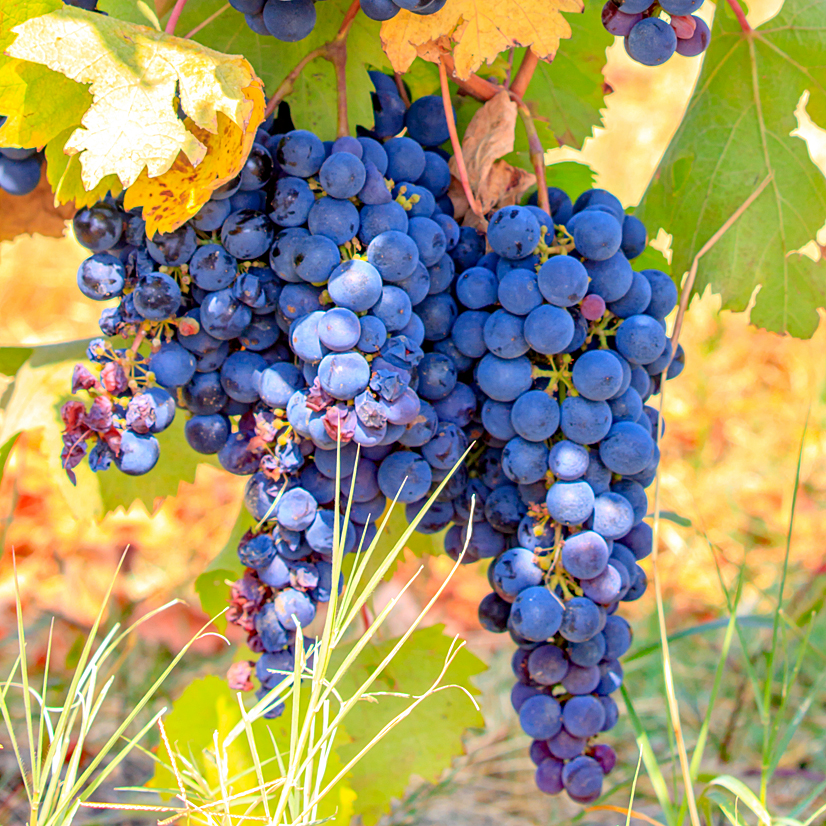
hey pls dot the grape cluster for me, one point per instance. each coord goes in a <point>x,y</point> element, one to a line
<point>568,342</point>
<point>324,317</point>
<point>295,309</point>
<point>293,20</point>
<point>651,39</point>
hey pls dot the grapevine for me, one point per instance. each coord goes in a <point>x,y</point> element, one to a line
<point>372,340</point>
<point>406,314</point>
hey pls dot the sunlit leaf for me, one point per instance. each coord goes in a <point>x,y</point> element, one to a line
<point>479,31</point>
<point>423,744</point>
<point>136,76</point>
<point>735,134</point>
<point>174,197</point>
<point>313,99</point>
<point>64,174</point>
<point>39,103</point>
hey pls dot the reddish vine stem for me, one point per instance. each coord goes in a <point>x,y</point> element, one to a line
<point>336,52</point>
<point>524,74</point>
<point>174,17</point>
<point>348,19</point>
<point>402,91</point>
<point>337,55</point>
<point>740,15</point>
<point>475,86</point>
<point>537,154</point>
<point>484,90</point>
<point>455,143</point>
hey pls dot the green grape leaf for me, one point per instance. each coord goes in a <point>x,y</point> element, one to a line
<point>209,705</point>
<point>652,259</point>
<point>178,463</point>
<point>426,742</point>
<point>571,176</point>
<point>313,99</point>
<point>211,585</point>
<point>13,358</point>
<point>736,133</point>
<point>132,11</point>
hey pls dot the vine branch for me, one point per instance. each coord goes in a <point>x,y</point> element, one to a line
<point>740,15</point>
<point>336,52</point>
<point>524,74</point>
<point>175,16</point>
<point>483,90</point>
<point>402,91</point>
<point>537,154</point>
<point>474,86</point>
<point>455,143</point>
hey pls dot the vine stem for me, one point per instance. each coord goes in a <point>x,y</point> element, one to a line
<point>336,52</point>
<point>740,15</point>
<point>175,16</point>
<point>337,55</point>
<point>484,90</point>
<point>475,86</point>
<point>402,91</point>
<point>206,22</point>
<point>524,74</point>
<point>537,154</point>
<point>455,143</point>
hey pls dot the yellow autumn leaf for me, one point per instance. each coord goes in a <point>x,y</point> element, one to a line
<point>172,198</point>
<point>136,77</point>
<point>480,30</point>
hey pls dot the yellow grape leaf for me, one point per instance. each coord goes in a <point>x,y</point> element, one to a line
<point>480,30</point>
<point>63,172</point>
<point>174,197</point>
<point>38,102</point>
<point>136,76</point>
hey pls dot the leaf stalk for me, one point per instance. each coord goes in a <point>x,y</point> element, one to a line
<point>177,11</point>
<point>456,143</point>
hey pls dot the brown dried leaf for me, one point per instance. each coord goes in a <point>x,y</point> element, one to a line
<point>458,198</point>
<point>32,213</point>
<point>505,185</point>
<point>489,136</point>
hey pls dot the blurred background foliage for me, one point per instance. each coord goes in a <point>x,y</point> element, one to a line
<point>735,420</point>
